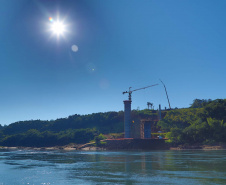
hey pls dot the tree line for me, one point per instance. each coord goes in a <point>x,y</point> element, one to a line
<point>204,122</point>
<point>73,129</point>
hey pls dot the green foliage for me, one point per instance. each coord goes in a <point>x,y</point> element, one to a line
<point>197,103</point>
<point>23,126</point>
<point>34,138</point>
<point>76,128</point>
<point>143,114</point>
<point>216,109</point>
<point>98,139</point>
<point>179,118</point>
<point>216,130</point>
<point>175,135</point>
<point>196,125</point>
<point>104,122</point>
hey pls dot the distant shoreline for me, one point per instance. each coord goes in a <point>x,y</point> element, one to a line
<point>92,148</point>
<point>201,147</point>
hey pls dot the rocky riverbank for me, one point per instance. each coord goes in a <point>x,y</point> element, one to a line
<point>71,147</point>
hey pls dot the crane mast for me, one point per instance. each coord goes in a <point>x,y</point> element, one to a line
<point>127,110</point>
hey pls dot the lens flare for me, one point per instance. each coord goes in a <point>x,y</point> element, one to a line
<point>74,48</point>
<point>50,19</point>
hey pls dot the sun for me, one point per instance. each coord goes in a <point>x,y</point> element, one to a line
<point>57,27</point>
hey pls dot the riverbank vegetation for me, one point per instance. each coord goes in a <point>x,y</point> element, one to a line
<point>204,122</point>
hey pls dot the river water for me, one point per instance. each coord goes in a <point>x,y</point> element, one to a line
<point>104,167</point>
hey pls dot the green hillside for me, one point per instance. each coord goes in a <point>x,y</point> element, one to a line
<point>203,123</point>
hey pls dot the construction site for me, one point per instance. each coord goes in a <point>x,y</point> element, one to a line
<point>138,133</point>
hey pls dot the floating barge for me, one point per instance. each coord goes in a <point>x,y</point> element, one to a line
<point>136,144</point>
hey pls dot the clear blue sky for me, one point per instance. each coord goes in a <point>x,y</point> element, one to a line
<point>121,44</point>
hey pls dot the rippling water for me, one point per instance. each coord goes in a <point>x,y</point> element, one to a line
<point>104,167</point>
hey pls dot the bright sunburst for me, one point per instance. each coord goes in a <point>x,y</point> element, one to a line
<point>58,28</point>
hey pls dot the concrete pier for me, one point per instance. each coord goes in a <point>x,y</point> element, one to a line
<point>127,118</point>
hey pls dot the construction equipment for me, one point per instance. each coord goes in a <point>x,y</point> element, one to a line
<point>130,91</point>
<point>149,104</point>
<point>166,93</point>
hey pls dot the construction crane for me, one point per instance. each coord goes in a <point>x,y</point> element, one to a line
<point>166,93</point>
<point>130,91</point>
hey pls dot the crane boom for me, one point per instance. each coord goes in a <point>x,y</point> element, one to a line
<point>130,92</point>
<point>144,87</point>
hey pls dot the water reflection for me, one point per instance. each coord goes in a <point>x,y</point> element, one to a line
<point>78,167</point>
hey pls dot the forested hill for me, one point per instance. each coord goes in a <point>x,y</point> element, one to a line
<point>204,122</point>
<point>104,122</point>
<point>73,129</point>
